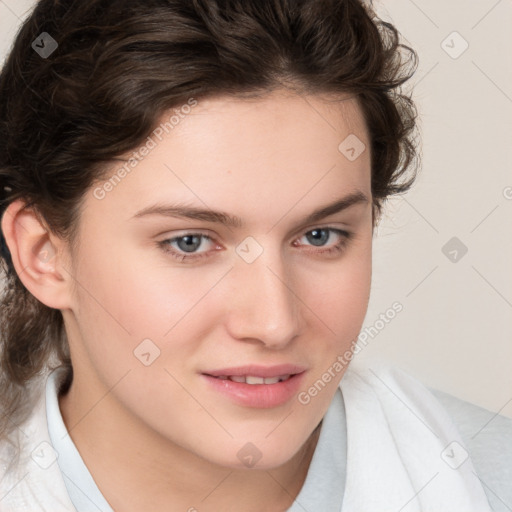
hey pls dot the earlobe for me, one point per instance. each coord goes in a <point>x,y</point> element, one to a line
<point>35,255</point>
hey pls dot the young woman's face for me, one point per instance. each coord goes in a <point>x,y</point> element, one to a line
<point>160,321</point>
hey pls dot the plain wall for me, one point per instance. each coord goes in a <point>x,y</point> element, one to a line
<point>455,330</point>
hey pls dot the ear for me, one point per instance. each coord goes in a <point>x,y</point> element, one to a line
<point>37,255</point>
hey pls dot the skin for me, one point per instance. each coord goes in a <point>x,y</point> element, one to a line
<point>157,437</point>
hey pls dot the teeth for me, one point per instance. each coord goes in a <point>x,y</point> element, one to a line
<point>251,379</point>
<point>254,380</point>
<point>271,380</point>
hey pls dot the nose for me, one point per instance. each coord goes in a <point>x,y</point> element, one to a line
<point>264,305</point>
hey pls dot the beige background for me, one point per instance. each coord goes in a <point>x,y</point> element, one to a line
<point>455,330</point>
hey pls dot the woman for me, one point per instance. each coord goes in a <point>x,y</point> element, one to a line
<point>190,191</point>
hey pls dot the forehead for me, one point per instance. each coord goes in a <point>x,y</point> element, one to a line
<point>246,154</point>
<point>275,118</point>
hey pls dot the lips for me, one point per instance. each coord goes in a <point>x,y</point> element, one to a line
<point>257,386</point>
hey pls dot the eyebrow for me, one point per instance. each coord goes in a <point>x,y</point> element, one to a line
<point>207,215</point>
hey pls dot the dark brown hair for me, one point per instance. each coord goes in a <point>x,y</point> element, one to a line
<point>120,65</point>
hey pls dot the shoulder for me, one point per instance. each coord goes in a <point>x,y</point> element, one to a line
<point>487,436</point>
<point>488,439</point>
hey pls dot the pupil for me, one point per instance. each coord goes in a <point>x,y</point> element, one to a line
<point>318,241</point>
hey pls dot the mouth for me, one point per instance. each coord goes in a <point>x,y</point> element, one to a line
<point>257,386</point>
<point>253,379</point>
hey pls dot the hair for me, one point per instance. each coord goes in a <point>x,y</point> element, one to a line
<point>119,66</point>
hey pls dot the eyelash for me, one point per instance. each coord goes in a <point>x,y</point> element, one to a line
<point>166,247</point>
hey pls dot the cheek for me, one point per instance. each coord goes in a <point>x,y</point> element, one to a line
<point>339,297</point>
<point>339,305</point>
<point>128,299</point>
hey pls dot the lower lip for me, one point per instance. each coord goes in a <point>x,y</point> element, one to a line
<point>257,395</point>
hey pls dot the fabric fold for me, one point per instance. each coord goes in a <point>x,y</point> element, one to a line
<point>404,454</point>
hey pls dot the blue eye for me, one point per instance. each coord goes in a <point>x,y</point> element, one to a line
<point>185,247</point>
<point>187,243</point>
<point>318,237</point>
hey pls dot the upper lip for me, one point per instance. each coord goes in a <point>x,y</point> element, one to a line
<point>258,371</point>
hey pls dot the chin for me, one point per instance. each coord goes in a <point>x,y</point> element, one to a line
<point>247,455</point>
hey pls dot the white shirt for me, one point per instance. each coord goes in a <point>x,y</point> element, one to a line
<point>404,453</point>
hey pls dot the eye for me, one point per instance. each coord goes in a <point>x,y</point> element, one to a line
<point>318,237</point>
<point>187,244</point>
